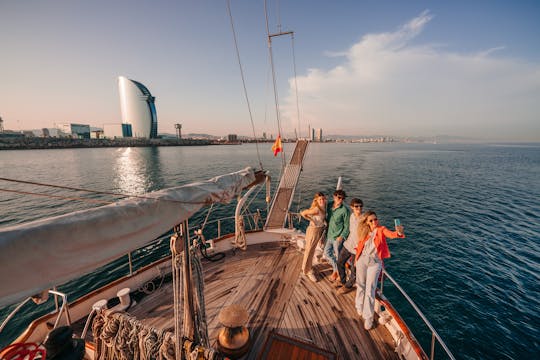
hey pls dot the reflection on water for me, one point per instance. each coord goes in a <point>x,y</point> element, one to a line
<point>137,170</point>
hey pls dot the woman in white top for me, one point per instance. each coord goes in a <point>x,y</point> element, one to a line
<point>316,215</point>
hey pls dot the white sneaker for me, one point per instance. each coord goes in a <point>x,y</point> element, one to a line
<point>368,324</point>
<point>311,276</point>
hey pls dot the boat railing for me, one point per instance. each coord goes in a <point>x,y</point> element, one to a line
<point>221,226</point>
<point>291,217</point>
<point>434,335</point>
<point>225,225</point>
<point>64,309</point>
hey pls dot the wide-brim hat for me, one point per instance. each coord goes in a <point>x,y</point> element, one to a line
<point>61,345</point>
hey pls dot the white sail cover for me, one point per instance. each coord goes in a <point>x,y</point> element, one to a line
<point>40,254</point>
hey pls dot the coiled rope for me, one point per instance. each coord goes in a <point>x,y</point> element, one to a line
<point>120,336</point>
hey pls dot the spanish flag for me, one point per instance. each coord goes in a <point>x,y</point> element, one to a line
<point>277,147</point>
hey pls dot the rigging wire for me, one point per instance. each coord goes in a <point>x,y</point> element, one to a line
<point>278,12</point>
<point>295,85</point>
<point>243,81</point>
<point>276,97</point>
<point>89,191</point>
<point>58,196</point>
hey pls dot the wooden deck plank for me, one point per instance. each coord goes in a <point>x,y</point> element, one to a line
<point>266,280</point>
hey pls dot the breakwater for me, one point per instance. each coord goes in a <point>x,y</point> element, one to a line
<point>22,143</point>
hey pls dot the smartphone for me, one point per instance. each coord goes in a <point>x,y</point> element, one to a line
<point>397,222</point>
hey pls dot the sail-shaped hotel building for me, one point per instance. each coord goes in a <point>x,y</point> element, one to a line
<point>138,108</point>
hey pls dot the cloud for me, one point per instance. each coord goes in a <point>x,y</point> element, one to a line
<point>387,85</point>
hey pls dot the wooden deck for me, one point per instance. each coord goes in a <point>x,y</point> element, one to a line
<point>266,280</point>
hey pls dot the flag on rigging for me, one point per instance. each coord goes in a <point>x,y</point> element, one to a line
<point>277,147</point>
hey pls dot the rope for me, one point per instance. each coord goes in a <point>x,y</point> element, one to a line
<point>120,336</point>
<point>201,326</point>
<point>201,241</point>
<point>207,216</point>
<point>243,82</point>
<point>150,286</point>
<point>167,348</point>
<point>240,238</point>
<point>176,262</point>
<point>204,253</point>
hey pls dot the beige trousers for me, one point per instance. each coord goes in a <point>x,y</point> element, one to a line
<point>313,234</point>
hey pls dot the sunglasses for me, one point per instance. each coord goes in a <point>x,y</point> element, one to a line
<point>339,197</point>
<point>357,206</point>
<point>372,220</point>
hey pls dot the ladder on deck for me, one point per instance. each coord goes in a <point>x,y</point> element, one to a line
<point>283,199</point>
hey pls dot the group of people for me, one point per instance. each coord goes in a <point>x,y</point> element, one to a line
<point>349,236</point>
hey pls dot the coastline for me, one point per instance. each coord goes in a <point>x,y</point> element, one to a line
<point>38,143</point>
<point>67,143</point>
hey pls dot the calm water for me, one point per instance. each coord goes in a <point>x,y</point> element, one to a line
<point>471,214</point>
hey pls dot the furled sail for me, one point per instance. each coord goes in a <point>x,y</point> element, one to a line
<point>43,253</point>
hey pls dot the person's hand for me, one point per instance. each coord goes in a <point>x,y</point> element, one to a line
<point>399,230</point>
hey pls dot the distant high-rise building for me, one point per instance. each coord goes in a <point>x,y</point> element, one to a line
<point>138,108</point>
<point>318,135</point>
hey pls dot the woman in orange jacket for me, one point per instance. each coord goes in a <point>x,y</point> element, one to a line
<point>370,253</point>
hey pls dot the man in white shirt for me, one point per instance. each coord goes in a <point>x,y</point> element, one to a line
<point>346,285</point>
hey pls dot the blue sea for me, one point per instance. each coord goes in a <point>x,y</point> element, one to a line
<point>471,259</point>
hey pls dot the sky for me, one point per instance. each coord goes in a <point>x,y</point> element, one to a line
<point>396,68</point>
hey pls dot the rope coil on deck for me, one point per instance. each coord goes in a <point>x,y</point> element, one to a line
<point>120,336</point>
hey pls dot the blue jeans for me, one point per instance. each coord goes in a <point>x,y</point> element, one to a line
<point>332,247</point>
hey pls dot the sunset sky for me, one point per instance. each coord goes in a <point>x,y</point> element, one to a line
<point>398,68</point>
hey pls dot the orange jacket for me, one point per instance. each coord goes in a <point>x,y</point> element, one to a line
<point>380,242</point>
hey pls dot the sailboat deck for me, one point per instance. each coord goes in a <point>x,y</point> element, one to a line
<point>266,280</point>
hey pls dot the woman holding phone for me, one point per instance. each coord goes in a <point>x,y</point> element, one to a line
<point>371,250</point>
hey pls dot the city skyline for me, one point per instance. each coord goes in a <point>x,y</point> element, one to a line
<point>419,68</point>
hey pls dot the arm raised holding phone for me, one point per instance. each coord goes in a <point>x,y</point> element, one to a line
<point>370,253</point>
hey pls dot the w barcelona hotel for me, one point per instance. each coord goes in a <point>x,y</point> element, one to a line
<point>138,110</point>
